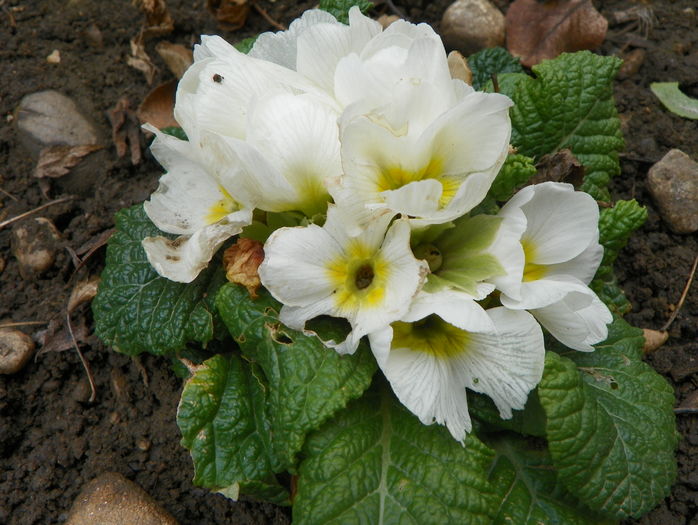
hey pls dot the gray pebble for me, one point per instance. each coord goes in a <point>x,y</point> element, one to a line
<point>35,243</point>
<point>472,25</point>
<point>111,499</point>
<point>16,348</point>
<point>673,182</point>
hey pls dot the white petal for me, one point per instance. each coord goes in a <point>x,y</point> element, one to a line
<point>319,50</point>
<point>507,365</point>
<point>281,47</point>
<point>295,263</point>
<point>456,308</point>
<point>416,199</point>
<point>584,266</point>
<point>561,223</point>
<point>578,321</point>
<point>509,252</point>
<point>183,259</point>
<point>430,389</point>
<point>543,292</point>
<point>188,197</point>
<point>298,135</point>
<point>471,136</point>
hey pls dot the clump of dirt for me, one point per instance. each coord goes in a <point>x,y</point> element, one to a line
<point>53,439</point>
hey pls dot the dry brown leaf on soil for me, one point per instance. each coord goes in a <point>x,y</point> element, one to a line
<point>458,67</point>
<point>177,57</point>
<point>125,128</point>
<point>653,339</point>
<point>56,338</point>
<point>540,30</point>
<point>140,60</point>
<point>56,161</point>
<point>158,106</point>
<point>561,166</point>
<point>83,292</point>
<point>241,262</point>
<point>158,20</point>
<point>230,14</point>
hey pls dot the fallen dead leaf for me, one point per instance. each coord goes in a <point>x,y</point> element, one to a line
<point>230,14</point>
<point>561,166</point>
<point>125,127</point>
<point>241,262</point>
<point>56,338</point>
<point>632,61</point>
<point>83,292</point>
<point>158,20</point>
<point>540,30</point>
<point>158,106</point>
<point>56,161</point>
<point>458,67</point>
<point>140,60</point>
<point>177,57</point>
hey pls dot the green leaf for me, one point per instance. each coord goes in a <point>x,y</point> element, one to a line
<point>245,45</point>
<point>611,427</point>
<point>516,170</point>
<point>615,227</point>
<point>376,463</point>
<point>524,478</point>
<point>308,382</point>
<point>340,8</point>
<point>529,421</point>
<point>675,100</point>
<point>570,105</point>
<point>495,60</point>
<point>225,427</point>
<point>175,131</point>
<point>136,310</point>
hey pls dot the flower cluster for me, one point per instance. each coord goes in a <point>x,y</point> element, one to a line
<point>365,133</point>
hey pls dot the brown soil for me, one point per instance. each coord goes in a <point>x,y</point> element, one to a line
<point>53,440</point>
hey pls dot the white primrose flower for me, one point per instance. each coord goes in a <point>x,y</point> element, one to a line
<point>192,203</point>
<point>430,153</point>
<point>429,362</point>
<point>369,279</point>
<point>290,155</point>
<point>562,253</point>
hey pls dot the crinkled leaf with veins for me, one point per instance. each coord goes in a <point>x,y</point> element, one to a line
<point>430,362</point>
<point>192,203</point>
<point>562,252</point>
<point>368,279</point>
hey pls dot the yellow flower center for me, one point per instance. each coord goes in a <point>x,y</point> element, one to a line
<point>532,271</point>
<point>359,278</point>
<point>220,209</point>
<point>395,177</point>
<point>432,335</point>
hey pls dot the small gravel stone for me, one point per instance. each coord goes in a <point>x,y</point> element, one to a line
<point>673,182</point>
<point>111,499</point>
<point>49,118</point>
<point>16,348</point>
<point>472,25</point>
<point>35,244</point>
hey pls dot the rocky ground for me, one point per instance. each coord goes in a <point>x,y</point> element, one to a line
<point>54,439</point>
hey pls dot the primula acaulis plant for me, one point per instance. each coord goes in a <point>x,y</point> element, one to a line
<point>423,335</point>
